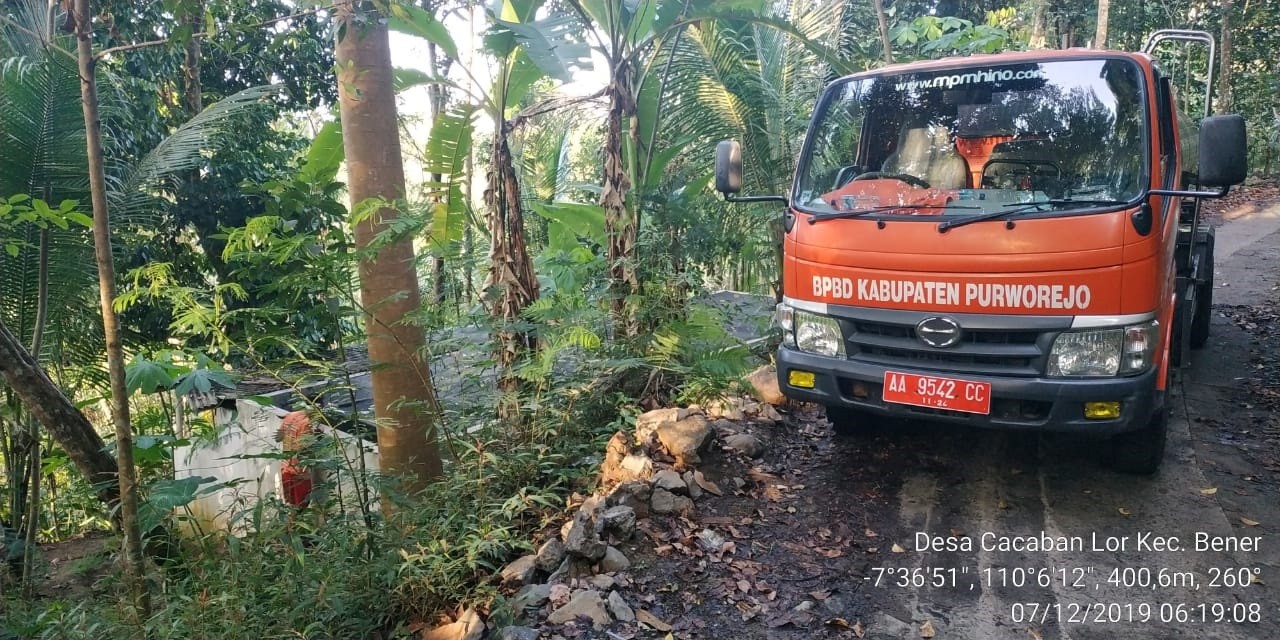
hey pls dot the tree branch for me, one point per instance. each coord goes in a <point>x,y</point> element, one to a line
<point>124,48</point>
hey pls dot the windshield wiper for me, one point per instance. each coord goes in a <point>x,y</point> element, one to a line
<point>881,209</point>
<point>1064,201</point>
<point>1028,207</point>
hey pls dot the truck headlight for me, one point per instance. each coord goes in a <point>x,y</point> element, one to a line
<point>1104,352</point>
<point>817,334</point>
<point>784,315</point>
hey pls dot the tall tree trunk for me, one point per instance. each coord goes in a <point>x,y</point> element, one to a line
<point>403,397</point>
<point>133,559</point>
<point>33,456</point>
<point>192,97</point>
<point>619,223</point>
<point>1224,64</point>
<point>1104,17</point>
<point>883,20</point>
<point>1039,24</point>
<point>510,272</point>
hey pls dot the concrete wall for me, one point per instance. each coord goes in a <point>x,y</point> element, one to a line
<point>247,430</point>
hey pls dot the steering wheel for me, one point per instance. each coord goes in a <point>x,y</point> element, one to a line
<point>909,179</point>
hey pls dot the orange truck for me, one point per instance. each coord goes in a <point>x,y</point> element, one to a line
<point>1009,241</point>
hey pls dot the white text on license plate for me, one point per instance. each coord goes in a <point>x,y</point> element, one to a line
<point>937,392</point>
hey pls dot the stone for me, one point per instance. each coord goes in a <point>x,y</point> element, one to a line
<point>518,633</point>
<point>619,608</point>
<point>728,408</point>
<point>602,582</point>
<point>617,449</point>
<point>531,596</point>
<point>614,561</point>
<point>618,522</point>
<point>649,421</point>
<point>745,444</point>
<point>691,483</point>
<point>636,466</point>
<point>666,503</point>
<point>520,571</point>
<point>710,541</point>
<point>634,494</point>
<point>764,385</point>
<point>891,627</point>
<point>585,603</point>
<point>671,481</point>
<point>550,555</point>
<point>686,438</point>
<point>468,626</point>
<point>768,414</point>
<point>725,427</point>
<point>581,539</point>
<point>592,506</point>
<point>572,567</point>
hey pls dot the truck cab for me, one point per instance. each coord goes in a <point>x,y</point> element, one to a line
<point>1006,241</point>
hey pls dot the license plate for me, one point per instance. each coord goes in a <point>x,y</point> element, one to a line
<point>937,393</point>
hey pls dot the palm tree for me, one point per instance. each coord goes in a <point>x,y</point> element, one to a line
<point>754,80</point>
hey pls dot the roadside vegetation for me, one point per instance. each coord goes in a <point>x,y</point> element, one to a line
<point>559,250</point>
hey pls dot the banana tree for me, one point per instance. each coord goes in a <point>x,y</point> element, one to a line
<point>524,49</point>
<point>642,41</point>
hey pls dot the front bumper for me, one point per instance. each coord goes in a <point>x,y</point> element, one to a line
<point>1025,404</point>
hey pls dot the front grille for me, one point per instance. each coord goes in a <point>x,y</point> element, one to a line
<point>1015,352</point>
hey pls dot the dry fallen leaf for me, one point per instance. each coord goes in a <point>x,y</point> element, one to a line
<point>823,595</point>
<point>649,619</point>
<point>858,630</point>
<point>926,629</point>
<point>1035,634</point>
<point>1002,504</point>
<point>837,622</point>
<point>1208,492</point>
<point>1125,512</point>
<point>1254,579</point>
<point>897,548</point>
<point>870,534</point>
<point>1249,523</point>
<point>707,485</point>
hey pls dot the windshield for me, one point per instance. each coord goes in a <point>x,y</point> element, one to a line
<point>969,141</point>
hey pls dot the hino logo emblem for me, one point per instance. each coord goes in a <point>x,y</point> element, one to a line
<point>938,332</point>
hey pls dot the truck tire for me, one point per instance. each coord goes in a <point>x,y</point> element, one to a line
<point>850,422</point>
<point>1141,452</point>
<point>1204,301</point>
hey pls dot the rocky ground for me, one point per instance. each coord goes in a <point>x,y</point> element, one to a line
<point>780,529</point>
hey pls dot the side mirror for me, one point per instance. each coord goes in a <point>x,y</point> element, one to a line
<point>728,166</point>
<point>1224,156</point>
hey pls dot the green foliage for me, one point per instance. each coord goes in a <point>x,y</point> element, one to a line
<point>700,354</point>
<point>935,36</point>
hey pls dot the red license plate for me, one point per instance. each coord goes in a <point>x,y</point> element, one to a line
<point>937,393</point>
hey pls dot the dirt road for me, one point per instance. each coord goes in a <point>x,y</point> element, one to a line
<point>926,531</point>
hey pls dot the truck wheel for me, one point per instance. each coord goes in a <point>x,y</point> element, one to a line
<point>1140,452</point>
<point>850,422</point>
<point>1204,302</point>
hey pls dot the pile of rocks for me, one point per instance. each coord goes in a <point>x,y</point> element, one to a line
<point>649,472</point>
